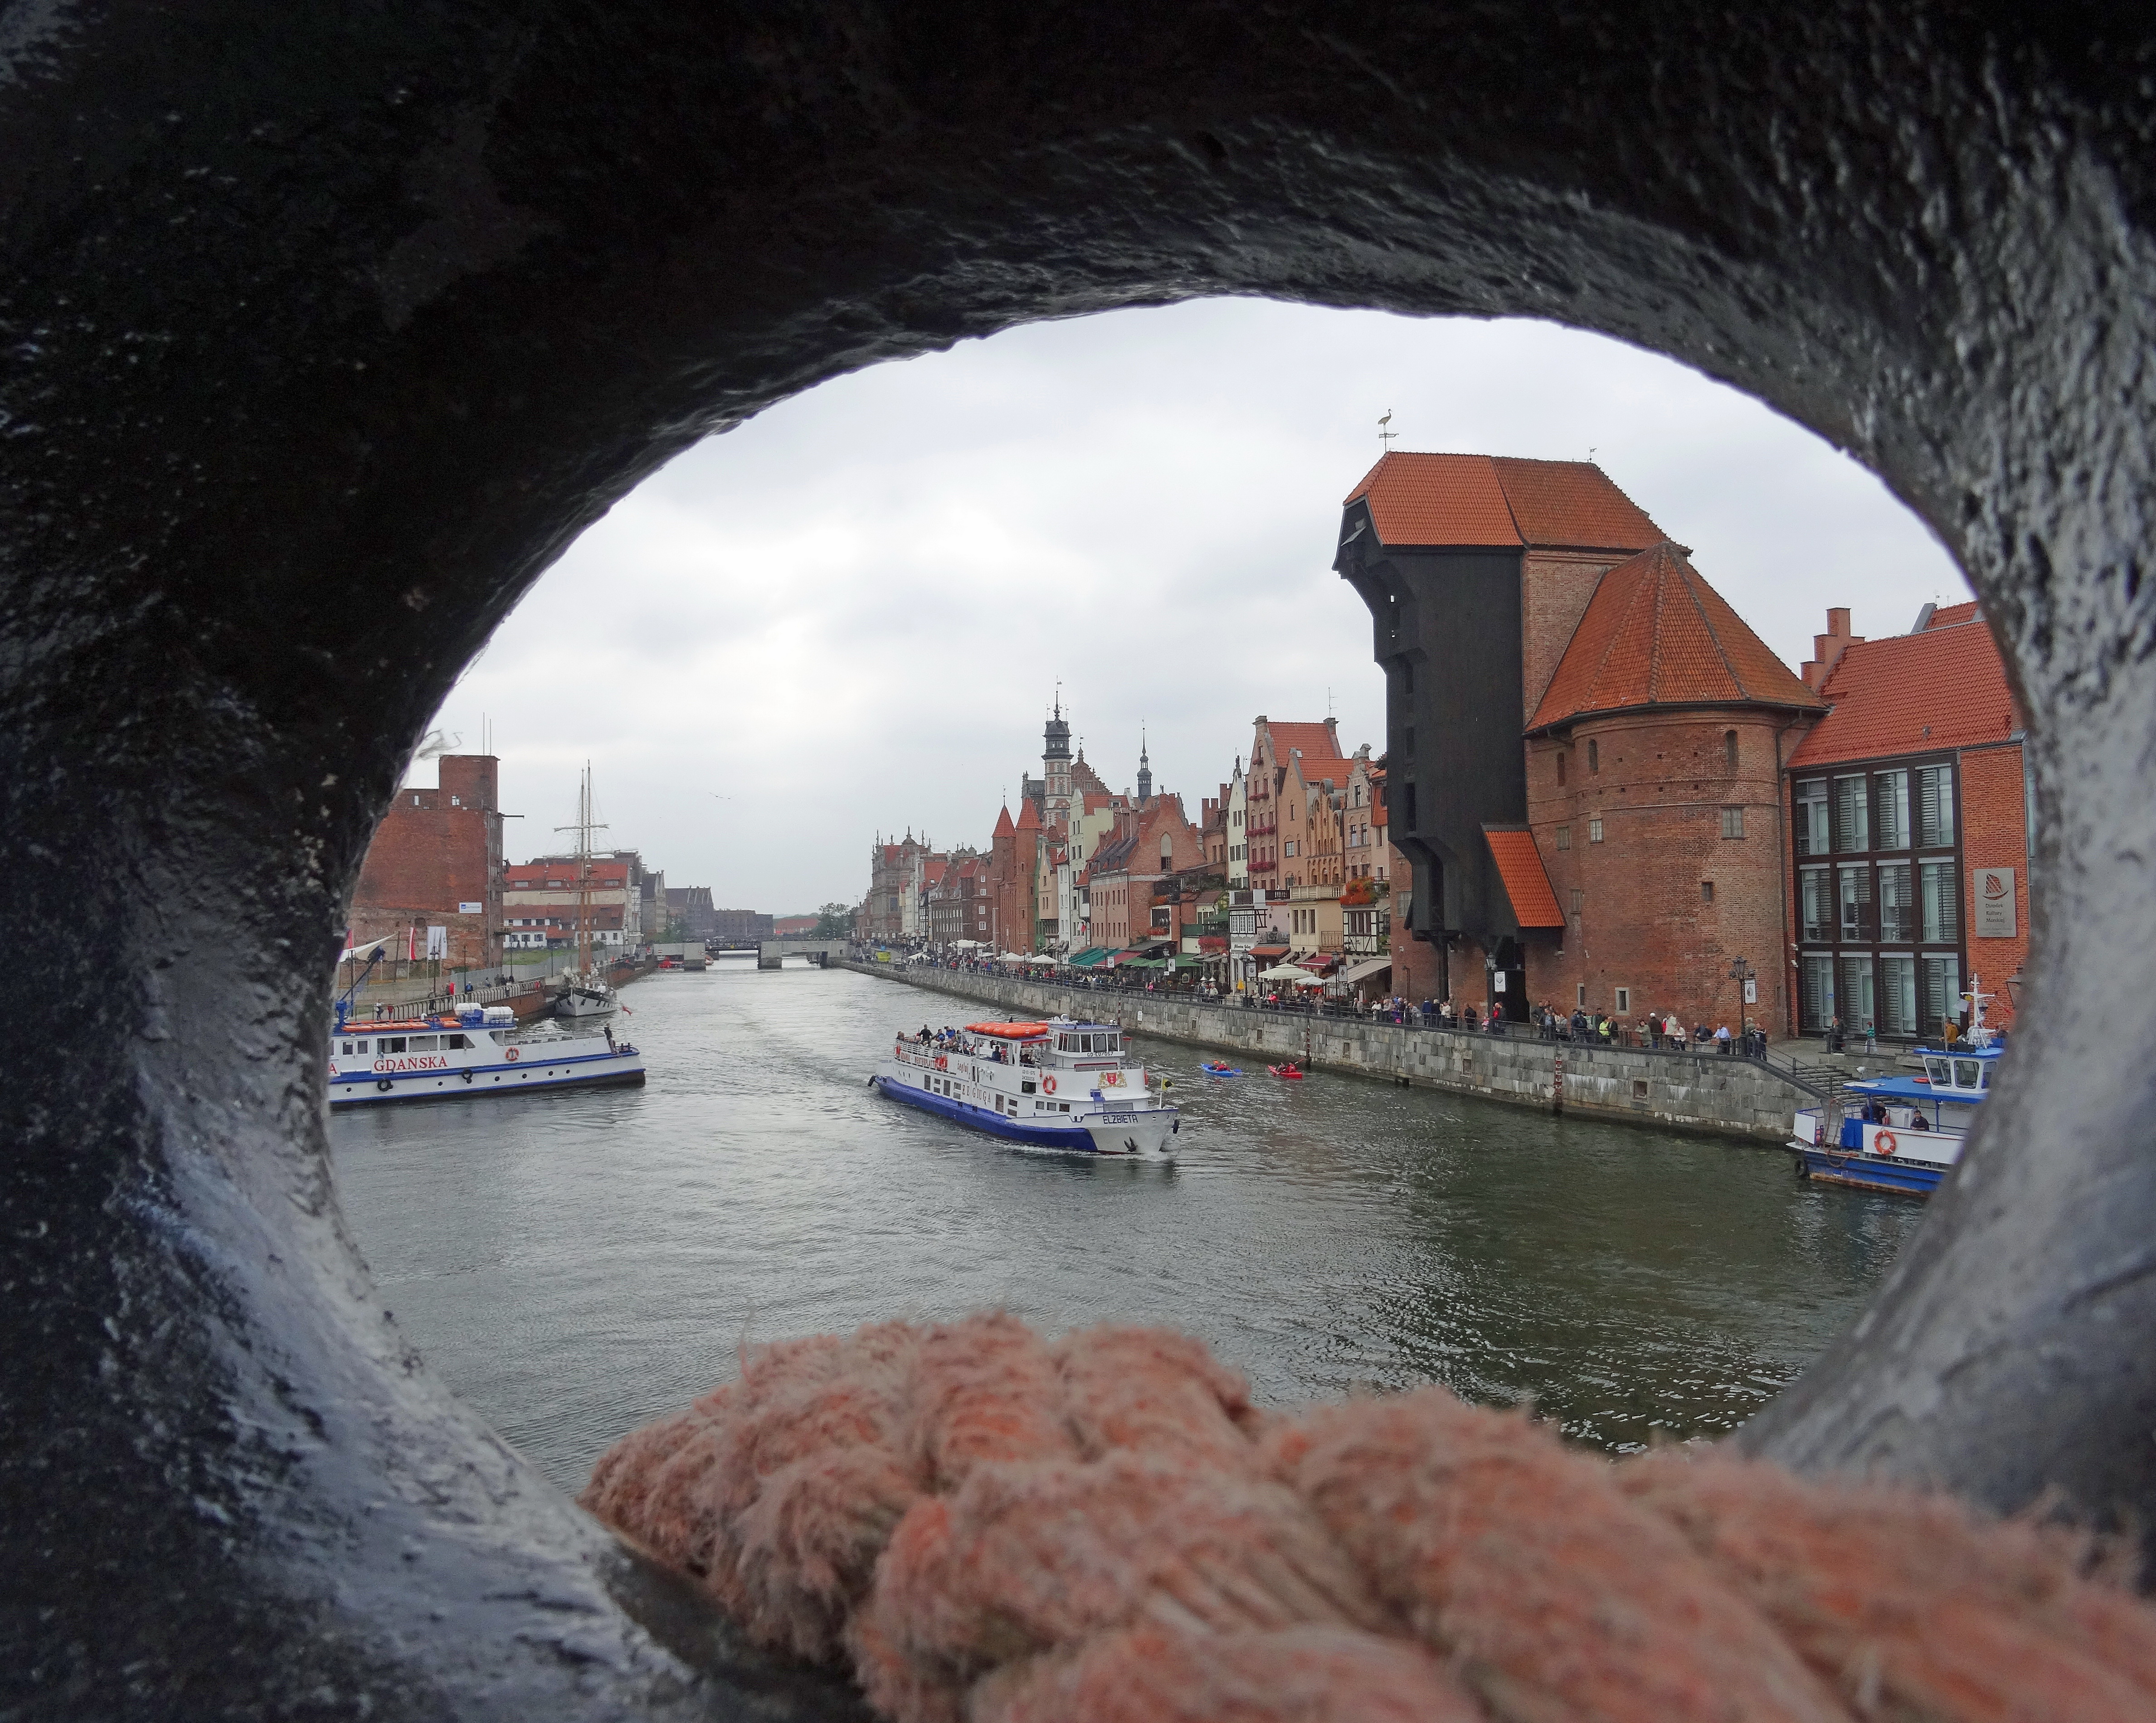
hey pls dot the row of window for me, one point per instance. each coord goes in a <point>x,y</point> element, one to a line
<point>1900,993</point>
<point>1889,902</point>
<point>1907,808</point>
<point>1732,826</point>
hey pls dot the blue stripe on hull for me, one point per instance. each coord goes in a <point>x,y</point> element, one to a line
<point>1072,1137</point>
<point>361,1092</point>
<point>1871,1172</point>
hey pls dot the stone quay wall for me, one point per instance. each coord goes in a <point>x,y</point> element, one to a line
<point>1715,1093</point>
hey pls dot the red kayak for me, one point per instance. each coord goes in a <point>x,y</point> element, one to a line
<point>1288,1071</point>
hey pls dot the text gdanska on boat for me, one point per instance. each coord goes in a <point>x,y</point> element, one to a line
<point>1059,1085</point>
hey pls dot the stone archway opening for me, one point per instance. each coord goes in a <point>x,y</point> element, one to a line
<point>325,335</point>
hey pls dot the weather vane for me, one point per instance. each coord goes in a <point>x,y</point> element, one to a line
<point>1385,435</point>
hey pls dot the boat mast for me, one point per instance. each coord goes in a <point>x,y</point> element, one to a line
<point>583,828</point>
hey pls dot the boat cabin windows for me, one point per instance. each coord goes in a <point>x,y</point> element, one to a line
<point>1080,1042</point>
<point>455,1041</point>
<point>391,1043</point>
<point>351,1047</point>
<point>426,1044</point>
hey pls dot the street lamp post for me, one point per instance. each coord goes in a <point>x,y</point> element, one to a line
<point>1740,973</point>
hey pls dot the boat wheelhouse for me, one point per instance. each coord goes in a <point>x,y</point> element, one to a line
<point>473,1051</point>
<point>1058,1085</point>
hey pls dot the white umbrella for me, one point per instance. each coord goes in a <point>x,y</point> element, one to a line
<point>1309,979</point>
<point>1284,971</point>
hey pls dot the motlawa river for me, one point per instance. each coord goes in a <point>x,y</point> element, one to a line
<point>573,1265</point>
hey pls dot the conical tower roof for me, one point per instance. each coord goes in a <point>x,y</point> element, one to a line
<point>1003,826</point>
<point>1656,634</point>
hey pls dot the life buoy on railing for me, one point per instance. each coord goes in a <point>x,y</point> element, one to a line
<point>511,1055</point>
<point>1048,1085</point>
<point>942,1061</point>
<point>1884,1142</point>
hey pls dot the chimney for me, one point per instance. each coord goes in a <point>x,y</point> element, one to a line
<point>1827,648</point>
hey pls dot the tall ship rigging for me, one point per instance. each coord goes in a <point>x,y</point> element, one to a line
<point>585,992</point>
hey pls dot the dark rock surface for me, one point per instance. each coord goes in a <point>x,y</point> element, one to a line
<point>324,329</point>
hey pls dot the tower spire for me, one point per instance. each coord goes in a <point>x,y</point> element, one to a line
<point>1145,768</point>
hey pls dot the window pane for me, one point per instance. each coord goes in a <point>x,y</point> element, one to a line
<point>1816,889</point>
<point>1935,798</point>
<point>1812,817</point>
<point>1897,905</point>
<point>1852,827</point>
<point>1890,795</point>
<point>1732,822</point>
<point>1942,892</point>
<point>1855,996</point>
<point>1942,978</point>
<point>1595,831</point>
<point>1897,996</point>
<point>1855,896</point>
<point>1815,993</point>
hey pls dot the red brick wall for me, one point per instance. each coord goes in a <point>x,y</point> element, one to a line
<point>1995,834</point>
<point>426,857</point>
<point>1644,923</point>
<point>1554,591</point>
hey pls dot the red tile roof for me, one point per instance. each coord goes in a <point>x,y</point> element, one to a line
<point>1911,694</point>
<point>1028,820</point>
<point>1317,741</point>
<point>1656,633</point>
<point>1003,826</point>
<point>1498,500</point>
<point>1574,503</point>
<point>1947,616</point>
<point>1527,882</point>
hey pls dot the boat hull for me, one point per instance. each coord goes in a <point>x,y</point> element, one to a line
<point>1147,1134</point>
<point>533,1072</point>
<point>1868,1172</point>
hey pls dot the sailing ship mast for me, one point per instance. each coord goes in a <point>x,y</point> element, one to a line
<point>583,828</point>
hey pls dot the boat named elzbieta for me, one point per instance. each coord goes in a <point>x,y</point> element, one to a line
<point>1059,1085</point>
<point>1904,1134</point>
<point>471,1051</point>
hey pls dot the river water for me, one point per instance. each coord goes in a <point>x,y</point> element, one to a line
<point>573,1265</point>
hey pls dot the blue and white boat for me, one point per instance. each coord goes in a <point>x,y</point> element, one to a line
<point>473,1051</point>
<point>1058,1085</point>
<point>1904,1134</point>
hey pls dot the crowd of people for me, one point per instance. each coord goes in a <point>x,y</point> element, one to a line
<point>1663,1030</point>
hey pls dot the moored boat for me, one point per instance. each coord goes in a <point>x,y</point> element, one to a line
<point>1905,1134</point>
<point>1058,1084</point>
<point>474,1052</point>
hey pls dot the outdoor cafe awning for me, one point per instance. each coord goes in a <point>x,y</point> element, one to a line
<point>1365,971</point>
<point>1088,957</point>
<point>1286,971</point>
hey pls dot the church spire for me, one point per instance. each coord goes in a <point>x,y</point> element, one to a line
<point>1145,768</point>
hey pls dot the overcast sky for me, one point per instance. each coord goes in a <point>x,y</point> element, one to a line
<point>849,616</point>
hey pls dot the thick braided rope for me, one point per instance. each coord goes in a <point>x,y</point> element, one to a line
<point>991,1528</point>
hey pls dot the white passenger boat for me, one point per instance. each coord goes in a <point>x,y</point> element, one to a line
<point>1059,1085</point>
<point>473,1051</point>
<point>1904,1134</point>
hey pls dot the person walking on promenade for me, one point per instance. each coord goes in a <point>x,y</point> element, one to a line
<point>1722,1040</point>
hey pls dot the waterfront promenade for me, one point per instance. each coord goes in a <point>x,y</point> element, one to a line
<point>1723,1094</point>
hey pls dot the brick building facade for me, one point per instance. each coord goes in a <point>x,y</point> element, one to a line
<point>435,861</point>
<point>1909,813</point>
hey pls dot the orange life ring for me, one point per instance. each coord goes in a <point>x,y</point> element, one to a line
<point>511,1055</point>
<point>1884,1142</point>
<point>942,1061</point>
<point>1048,1085</point>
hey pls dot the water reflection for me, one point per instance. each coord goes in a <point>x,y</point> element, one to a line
<point>574,1264</point>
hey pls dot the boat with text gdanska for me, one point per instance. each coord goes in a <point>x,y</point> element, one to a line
<point>1058,1085</point>
<point>471,1051</point>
